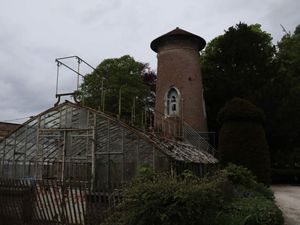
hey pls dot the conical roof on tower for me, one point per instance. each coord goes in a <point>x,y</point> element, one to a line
<point>175,34</point>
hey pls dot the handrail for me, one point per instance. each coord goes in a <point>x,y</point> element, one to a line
<point>189,134</point>
<point>196,139</point>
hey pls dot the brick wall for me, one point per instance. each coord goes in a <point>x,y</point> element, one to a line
<point>6,128</point>
<point>179,66</point>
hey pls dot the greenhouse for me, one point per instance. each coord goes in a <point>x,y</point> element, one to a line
<point>71,142</point>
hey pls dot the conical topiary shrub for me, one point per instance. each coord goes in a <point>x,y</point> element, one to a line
<point>242,139</point>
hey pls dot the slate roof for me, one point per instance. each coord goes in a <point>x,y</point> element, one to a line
<point>177,34</point>
<point>184,152</point>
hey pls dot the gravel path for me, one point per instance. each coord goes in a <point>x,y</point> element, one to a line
<point>288,200</point>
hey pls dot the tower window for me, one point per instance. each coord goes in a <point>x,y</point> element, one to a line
<point>172,107</point>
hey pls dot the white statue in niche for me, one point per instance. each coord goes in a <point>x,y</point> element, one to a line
<point>172,107</point>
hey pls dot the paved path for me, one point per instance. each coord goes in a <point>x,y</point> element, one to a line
<point>288,200</point>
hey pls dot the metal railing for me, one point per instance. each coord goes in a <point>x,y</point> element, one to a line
<point>60,62</point>
<point>194,138</point>
<point>180,129</point>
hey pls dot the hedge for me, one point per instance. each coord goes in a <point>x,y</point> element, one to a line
<point>242,139</point>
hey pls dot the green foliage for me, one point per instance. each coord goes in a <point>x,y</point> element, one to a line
<point>239,63</point>
<point>289,53</point>
<point>165,200</point>
<point>242,177</point>
<point>242,140</point>
<point>243,63</point>
<point>161,199</point>
<point>114,78</point>
<point>254,210</point>
<point>252,203</point>
<point>239,109</point>
<point>284,135</point>
<point>153,199</point>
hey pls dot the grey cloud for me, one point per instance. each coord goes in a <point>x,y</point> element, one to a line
<point>33,33</point>
<point>100,10</point>
<point>285,13</point>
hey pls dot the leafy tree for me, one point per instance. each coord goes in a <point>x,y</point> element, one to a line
<point>239,63</point>
<point>119,80</point>
<point>289,59</point>
<point>289,54</point>
<point>242,139</point>
<point>243,63</point>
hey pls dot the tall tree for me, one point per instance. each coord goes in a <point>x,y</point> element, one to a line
<point>242,63</point>
<point>289,59</point>
<point>239,63</point>
<point>289,53</point>
<point>119,86</point>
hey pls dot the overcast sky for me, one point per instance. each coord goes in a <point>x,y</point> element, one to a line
<point>35,32</point>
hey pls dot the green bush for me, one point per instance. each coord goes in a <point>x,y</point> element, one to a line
<point>253,202</point>
<point>231,196</point>
<point>160,199</point>
<point>242,139</point>
<point>243,178</point>
<point>254,210</point>
<point>239,175</point>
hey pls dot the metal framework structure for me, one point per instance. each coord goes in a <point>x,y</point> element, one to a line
<point>60,62</point>
<point>71,142</point>
<point>63,165</point>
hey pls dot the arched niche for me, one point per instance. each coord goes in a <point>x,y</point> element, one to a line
<point>172,106</point>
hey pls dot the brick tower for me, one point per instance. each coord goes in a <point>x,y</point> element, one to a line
<point>179,91</point>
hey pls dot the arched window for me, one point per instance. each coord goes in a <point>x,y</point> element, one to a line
<point>172,102</point>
